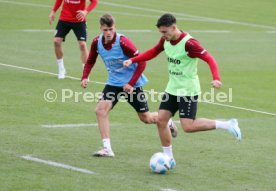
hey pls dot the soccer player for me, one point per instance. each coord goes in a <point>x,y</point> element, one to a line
<point>114,48</point>
<point>183,88</point>
<point>72,16</point>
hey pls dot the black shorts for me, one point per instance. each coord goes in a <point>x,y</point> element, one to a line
<point>79,28</point>
<point>187,105</point>
<point>136,99</point>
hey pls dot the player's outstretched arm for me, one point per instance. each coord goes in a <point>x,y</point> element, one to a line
<point>51,17</point>
<point>147,55</point>
<point>197,51</point>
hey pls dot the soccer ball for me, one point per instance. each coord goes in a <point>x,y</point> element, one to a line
<point>159,163</point>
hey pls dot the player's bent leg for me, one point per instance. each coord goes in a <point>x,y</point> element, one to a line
<point>148,117</point>
<point>187,124</point>
<point>191,125</point>
<point>84,51</point>
<point>152,117</point>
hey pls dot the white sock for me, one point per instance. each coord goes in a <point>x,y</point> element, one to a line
<point>106,143</point>
<point>222,124</point>
<point>168,151</point>
<point>60,64</point>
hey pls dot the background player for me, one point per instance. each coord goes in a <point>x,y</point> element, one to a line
<point>72,16</point>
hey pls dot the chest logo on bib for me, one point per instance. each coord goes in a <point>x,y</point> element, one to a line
<point>173,60</point>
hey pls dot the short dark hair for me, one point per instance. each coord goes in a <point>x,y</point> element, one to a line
<point>107,20</point>
<point>166,20</point>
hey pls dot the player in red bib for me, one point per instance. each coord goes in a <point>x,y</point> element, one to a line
<point>72,16</point>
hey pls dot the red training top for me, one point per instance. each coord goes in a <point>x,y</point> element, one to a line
<point>70,8</point>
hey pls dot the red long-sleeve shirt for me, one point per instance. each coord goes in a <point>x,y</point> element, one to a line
<point>70,8</point>
<point>192,46</point>
<point>128,48</point>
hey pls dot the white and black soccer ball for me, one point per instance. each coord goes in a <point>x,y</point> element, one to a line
<point>159,163</point>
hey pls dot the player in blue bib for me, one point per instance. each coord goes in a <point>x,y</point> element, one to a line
<point>114,49</point>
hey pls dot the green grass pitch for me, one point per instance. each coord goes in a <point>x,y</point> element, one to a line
<point>242,38</point>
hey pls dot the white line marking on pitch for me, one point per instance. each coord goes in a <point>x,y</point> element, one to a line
<point>74,78</point>
<point>38,30</point>
<point>210,31</point>
<point>241,108</point>
<point>70,125</point>
<point>44,72</point>
<point>98,11</point>
<point>148,16</point>
<point>194,17</point>
<point>167,189</point>
<point>138,31</point>
<point>121,30</point>
<point>135,30</point>
<point>25,3</point>
<point>207,19</point>
<point>271,32</point>
<point>55,164</point>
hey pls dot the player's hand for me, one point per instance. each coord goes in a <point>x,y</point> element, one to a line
<point>216,84</point>
<point>81,15</point>
<point>127,63</point>
<point>128,88</point>
<point>84,83</point>
<point>51,17</point>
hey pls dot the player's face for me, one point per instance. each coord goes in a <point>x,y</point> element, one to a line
<point>108,32</point>
<point>168,33</point>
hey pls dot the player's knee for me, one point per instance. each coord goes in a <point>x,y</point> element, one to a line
<point>161,123</point>
<point>57,42</point>
<point>100,112</point>
<point>188,128</point>
<point>82,46</point>
<point>145,118</point>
